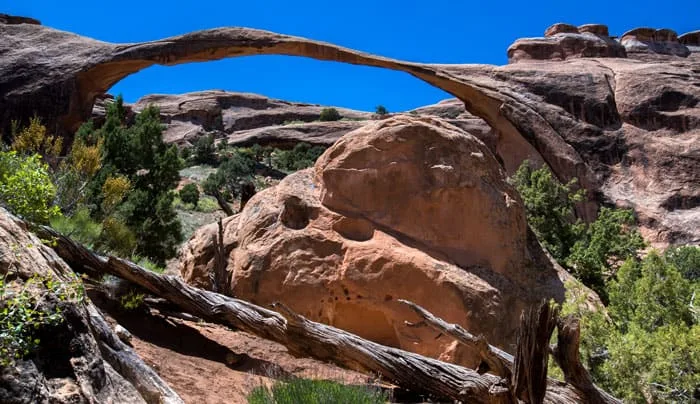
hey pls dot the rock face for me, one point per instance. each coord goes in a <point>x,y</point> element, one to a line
<point>244,119</point>
<point>564,41</point>
<point>75,362</point>
<point>406,207</point>
<point>626,128</point>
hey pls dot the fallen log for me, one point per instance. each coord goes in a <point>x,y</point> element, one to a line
<point>128,364</point>
<point>303,337</point>
<point>501,363</point>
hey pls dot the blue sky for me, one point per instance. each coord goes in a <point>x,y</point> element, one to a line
<point>424,31</point>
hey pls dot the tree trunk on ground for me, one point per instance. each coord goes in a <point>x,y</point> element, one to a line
<point>501,363</point>
<point>307,338</point>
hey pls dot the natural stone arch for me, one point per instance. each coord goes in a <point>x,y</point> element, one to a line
<point>71,71</point>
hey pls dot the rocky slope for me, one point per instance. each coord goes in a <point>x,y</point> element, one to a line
<point>402,208</point>
<point>627,127</point>
<point>79,360</point>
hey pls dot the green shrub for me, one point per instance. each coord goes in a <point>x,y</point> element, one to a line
<point>26,188</point>
<point>302,156</point>
<point>590,251</point>
<point>550,208</point>
<point>132,300</point>
<point>27,309</point>
<point>148,264</point>
<point>648,350</point>
<point>79,227</point>
<point>190,194</point>
<point>381,110</point>
<point>204,150</point>
<point>329,114</point>
<point>317,392</point>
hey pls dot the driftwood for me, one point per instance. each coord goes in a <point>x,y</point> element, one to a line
<point>307,338</point>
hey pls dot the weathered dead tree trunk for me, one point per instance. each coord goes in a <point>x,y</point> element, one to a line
<point>566,354</point>
<point>531,359</point>
<point>220,279</point>
<point>128,364</point>
<point>307,338</point>
<point>578,387</point>
<point>493,359</point>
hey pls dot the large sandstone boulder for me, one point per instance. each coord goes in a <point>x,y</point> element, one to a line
<point>404,208</point>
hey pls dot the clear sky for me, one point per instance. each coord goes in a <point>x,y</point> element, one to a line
<point>439,31</point>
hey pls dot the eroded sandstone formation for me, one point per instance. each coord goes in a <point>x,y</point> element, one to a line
<point>407,207</point>
<point>244,119</point>
<point>627,129</point>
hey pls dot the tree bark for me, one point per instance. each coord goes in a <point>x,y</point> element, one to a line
<point>310,339</point>
<point>128,364</point>
<point>220,279</point>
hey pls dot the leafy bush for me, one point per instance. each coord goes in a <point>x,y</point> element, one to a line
<point>133,300</point>
<point>317,392</point>
<point>232,179</point>
<point>27,309</point>
<point>190,194</point>
<point>381,110</point>
<point>329,114</point>
<point>133,186</point>
<point>26,188</point>
<point>34,139</point>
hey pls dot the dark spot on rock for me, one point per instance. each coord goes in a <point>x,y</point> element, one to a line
<point>387,298</point>
<point>295,214</point>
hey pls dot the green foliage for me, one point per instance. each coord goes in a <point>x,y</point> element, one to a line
<point>79,227</point>
<point>190,194</point>
<point>233,175</point>
<point>26,188</point>
<point>550,208</point>
<point>204,150</point>
<point>133,300</point>
<point>302,156</point>
<point>317,392</point>
<point>381,110</point>
<point>148,264</point>
<point>686,259</point>
<point>608,240</point>
<point>26,309</point>
<point>133,188</point>
<point>590,252</point>
<point>34,139</point>
<point>329,114</point>
<point>186,154</point>
<point>649,349</point>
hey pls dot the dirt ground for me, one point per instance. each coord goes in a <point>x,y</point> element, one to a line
<point>209,364</point>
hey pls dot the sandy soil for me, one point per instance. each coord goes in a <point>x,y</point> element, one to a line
<point>209,364</point>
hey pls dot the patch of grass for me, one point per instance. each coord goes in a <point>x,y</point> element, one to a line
<point>132,300</point>
<point>317,392</point>
<point>148,264</point>
<point>207,204</point>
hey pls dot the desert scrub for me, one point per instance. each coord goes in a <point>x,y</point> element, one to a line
<point>315,391</point>
<point>28,308</point>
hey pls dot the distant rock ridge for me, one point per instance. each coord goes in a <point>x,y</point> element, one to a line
<point>563,41</point>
